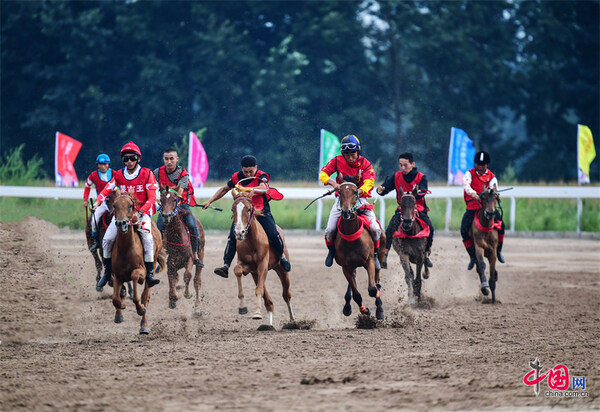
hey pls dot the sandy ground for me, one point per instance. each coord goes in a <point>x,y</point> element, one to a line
<point>60,348</point>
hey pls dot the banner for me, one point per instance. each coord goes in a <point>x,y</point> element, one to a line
<point>586,152</point>
<point>197,161</point>
<point>460,156</point>
<point>330,147</point>
<point>65,154</point>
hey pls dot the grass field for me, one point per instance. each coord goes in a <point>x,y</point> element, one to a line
<point>531,214</point>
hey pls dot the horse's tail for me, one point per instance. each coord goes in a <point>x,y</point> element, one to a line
<point>162,260</point>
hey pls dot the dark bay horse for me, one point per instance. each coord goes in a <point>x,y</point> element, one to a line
<point>354,248</point>
<point>410,242</point>
<point>128,258</point>
<point>102,225</point>
<point>484,232</point>
<point>257,256</point>
<point>179,248</point>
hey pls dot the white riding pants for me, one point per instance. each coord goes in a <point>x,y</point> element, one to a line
<point>145,231</point>
<point>336,212</point>
<point>97,216</point>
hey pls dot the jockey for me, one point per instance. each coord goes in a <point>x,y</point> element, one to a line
<point>477,180</point>
<point>99,178</point>
<point>407,179</point>
<point>171,175</point>
<point>250,176</point>
<point>350,164</point>
<point>142,182</point>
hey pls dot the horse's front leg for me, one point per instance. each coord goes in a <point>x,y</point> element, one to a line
<point>173,280</point>
<point>493,275</point>
<point>351,278</point>
<point>139,302</point>
<point>417,281</point>
<point>259,278</point>
<point>375,288</point>
<point>117,301</point>
<point>187,277</point>
<point>409,277</point>
<point>373,291</point>
<point>481,270</point>
<point>284,277</point>
<point>197,285</point>
<point>243,308</point>
<point>144,329</point>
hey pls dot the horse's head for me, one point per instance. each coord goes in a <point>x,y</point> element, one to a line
<point>169,204</point>
<point>243,215</point>
<point>124,206</point>
<point>489,198</point>
<point>348,199</point>
<point>408,208</point>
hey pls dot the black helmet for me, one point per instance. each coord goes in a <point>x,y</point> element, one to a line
<point>482,158</point>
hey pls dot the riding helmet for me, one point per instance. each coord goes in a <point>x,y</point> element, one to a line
<point>103,159</point>
<point>131,148</point>
<point>350,144</point>
<point>482,158</point>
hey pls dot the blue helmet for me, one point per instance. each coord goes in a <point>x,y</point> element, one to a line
<point>350,144</point>
<point>103,158</point>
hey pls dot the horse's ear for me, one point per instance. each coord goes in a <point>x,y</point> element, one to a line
<point>117,191</point>
<point>415,191</point>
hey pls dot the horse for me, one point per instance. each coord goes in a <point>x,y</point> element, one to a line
<point>102,225</point>
<point>410,242</point>
<point>484,232</point>
<point>257,256</point>
<point>178,245</point>
<point>355,248</point>
<point>128,258</point>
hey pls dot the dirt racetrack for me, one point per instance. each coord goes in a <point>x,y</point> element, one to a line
<point>60,348</point>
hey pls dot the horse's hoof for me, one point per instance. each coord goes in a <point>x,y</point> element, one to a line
<point>141,311</point>
<point>367,312</point>
<point>266,328</point>
<point>144,331</point>
<point>347,311</point>
<point>257,316</point>
<point>243,311</point>
<point>172,304</point>
<point>99,289</point>
<point>411,301</point>
<point>378,285</point>
<point>118,318</point>
<point>484,288</point>
<point>379,314</point>
<point>373,292</point>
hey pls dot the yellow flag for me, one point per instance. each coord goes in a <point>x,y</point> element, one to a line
<point>586,152</point>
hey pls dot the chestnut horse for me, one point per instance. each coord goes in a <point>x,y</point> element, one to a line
<point>410,242</point>
<point>179,248</point>
<point>257,256</point>
<point>354,248</point>
<point>484,232</point>
<point>102,225</point>
<point>128,258</point>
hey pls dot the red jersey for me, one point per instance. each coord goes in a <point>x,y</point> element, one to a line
<point>361,168</point>
<point>187,196</point>
<point>260,202</point>
<point>143,184</point>
<point>407,187</point>
<point>94,179</point>
<point>479,183</point>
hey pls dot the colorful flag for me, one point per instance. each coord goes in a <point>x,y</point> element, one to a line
<point>330,147</point>
<point>586,152</point>
<point>460,156</point>
<point>65,154</point>
<point>197,161</point>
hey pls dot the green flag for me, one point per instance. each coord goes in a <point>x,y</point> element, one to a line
<point>330,147</point>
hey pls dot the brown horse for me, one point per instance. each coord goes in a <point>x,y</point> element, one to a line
<point>354,248</point>
<point>179,249</point>
<point>410,242</point>
<point>257,256</point>
<point>128,258</point>
<point>102,225</point>
<point>484,232</point>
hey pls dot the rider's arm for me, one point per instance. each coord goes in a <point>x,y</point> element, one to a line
<point>467,179</point>
<point>493,183</point>
<point>219,194</point>
<point>327,171</point>
<point>151,193</point>
<point>387,186</point>
<point>86,190</point>
<point>423,189</point>
<point>368,178</point>
<point>110,186</point>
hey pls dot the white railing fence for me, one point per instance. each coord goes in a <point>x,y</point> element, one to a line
<point>447,192</point>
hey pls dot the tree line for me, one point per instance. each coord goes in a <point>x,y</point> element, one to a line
<point>265,77</point>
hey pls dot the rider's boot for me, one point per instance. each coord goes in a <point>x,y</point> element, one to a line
<point>150,279</point>
<point>330,256</point>
<point>96,240</point>
<point>107,273</point>
<point>427,261</point>
<point>223,271</point>
<point>197,261</point>
<point>377,264</point>
<point>471,252</point>
<point>196,250</point>
<point>285,264</point>
<point>499,252</point>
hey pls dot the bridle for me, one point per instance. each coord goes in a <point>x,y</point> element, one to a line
<point>347,214</point>
<point>123,224</point>
<point>407,222</point>
<point>169,216</point>
<point>245,199</point>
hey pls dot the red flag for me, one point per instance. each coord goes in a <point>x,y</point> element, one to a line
<point>67,149</point>
<point>197,161</point>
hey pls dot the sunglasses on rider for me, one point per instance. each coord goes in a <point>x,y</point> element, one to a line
<point>130,158</point>
<point>349,146</point>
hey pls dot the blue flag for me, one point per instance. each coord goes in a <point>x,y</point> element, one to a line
<point>460,156</point>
